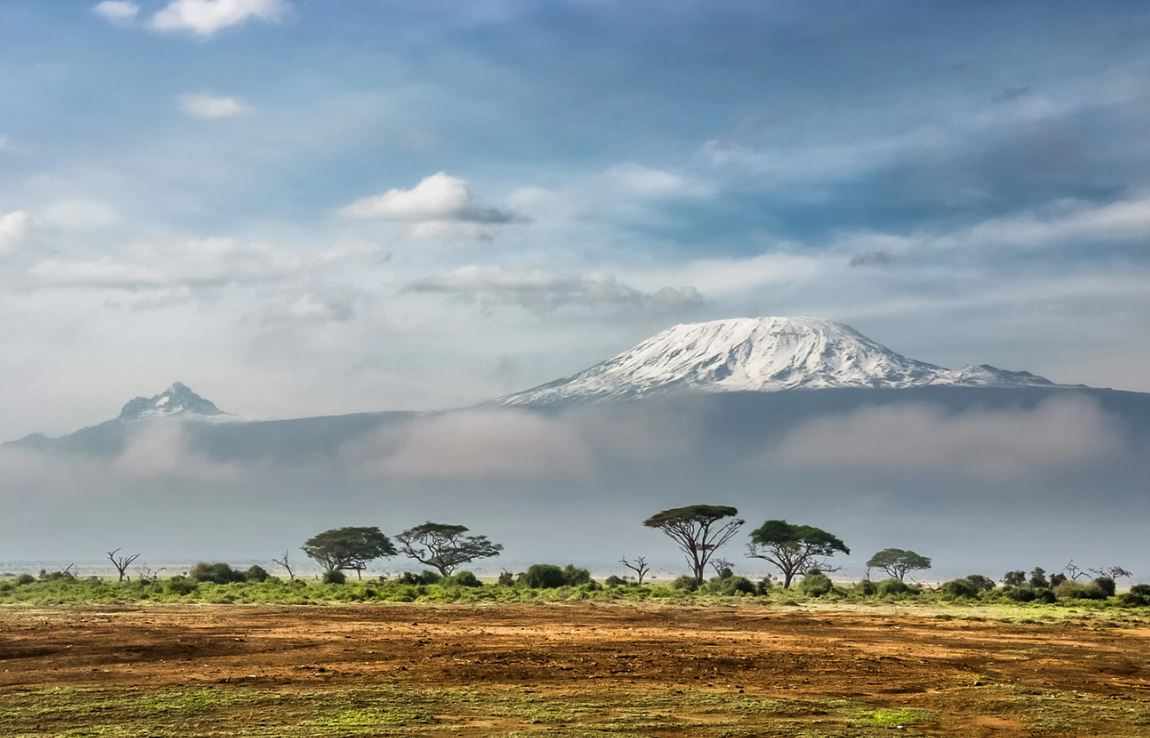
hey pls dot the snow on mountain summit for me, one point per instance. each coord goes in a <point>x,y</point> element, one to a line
<point>766,354</point>
<point>179,399</point>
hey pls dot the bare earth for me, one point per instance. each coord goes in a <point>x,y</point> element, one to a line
<point>576,669</point>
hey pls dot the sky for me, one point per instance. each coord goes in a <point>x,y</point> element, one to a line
<point>304,207</point>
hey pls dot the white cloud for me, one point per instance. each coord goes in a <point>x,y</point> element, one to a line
<point>1062,432</point>
<point>117,11</point>
<point>643,181</point>
<point>439,206</point>
<point>212,107</point>
<point>207,17</point>
<point>14,228</point>
<point>79,215</point>
<point>541,291</point>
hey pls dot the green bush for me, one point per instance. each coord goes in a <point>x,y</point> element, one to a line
<point>960,589</point>
<point>614,581</point>
<point>256,573</point>
<point>764,586</point>
<point>25,579</point>
<point>1071,590</point>
<point>573,576</point>
<point>730,586</point>
<point>1107,585</point>
<point>1138,596</point>
<point>544,576</point>
<point>983,583</point>
<point>464,579</point>
<point>334,576</point>
<point>427,576</point>
<point>684,583</point>
<point>506,579</point>
<point>894,588</point>
<point>181,586</point>
<point>816,584</point>
<point>218,573</point>
<point>867,588</point>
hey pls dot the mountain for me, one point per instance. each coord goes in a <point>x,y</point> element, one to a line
<point>179,399</point>
<point>768,354</point>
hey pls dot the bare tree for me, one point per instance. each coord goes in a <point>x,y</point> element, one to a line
<point>122,561</point>
<point>638,565</point>
<point>1074,571</point>
<point>1112,572</point>
<point>285,563</point>
<point>722,565</point>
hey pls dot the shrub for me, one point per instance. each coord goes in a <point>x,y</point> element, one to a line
<point>1107,585</point>
<point>1019,594</point>
<point>730,586</point>
<point>1071,590</point>
<point>764,586</point>
<point>256,573</point>
<point>867,588</point>
<point>335,576</point>
<point>506,579</point>
<point>816,584</point>
<point>25,579</point>
<point>574,576</point>
<point>219,573</point>
<point>685,583</point>
<point>893,588</point>
<point>1138,596</point>
<point>181,586</point>
<point>544,576</point>
<point>426,576</point>
<point>984,584</point>
<point>464,579</point>
<point>1046,596</point>
<point>614,581</point>
<point>960,589</point>
<point>56,576</point>
<point>1014,578</point>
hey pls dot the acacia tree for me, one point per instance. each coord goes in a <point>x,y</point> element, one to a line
<point>444,547</point>
<point>122,561</point>
<point>348,548</point>
<point>897,562</point>
<point>698,531</point>
<point>793,549</point>
<point>637,565</point>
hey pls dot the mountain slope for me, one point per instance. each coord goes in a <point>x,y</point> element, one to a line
<point>178,399</point>
<point>767,354</point>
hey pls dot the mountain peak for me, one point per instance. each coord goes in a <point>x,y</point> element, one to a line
<point>763,354</point>
<point>178,399</point>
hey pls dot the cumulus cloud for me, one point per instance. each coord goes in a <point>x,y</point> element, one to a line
<point>212,107</point>
<point>544,292</point>
<point>117,11</point>
<point>208,17</point>
<point>14,228</point>
<point>438,206</point>
<point>1060,433</point>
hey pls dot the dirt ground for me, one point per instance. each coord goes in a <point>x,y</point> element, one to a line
<point>565,670</point>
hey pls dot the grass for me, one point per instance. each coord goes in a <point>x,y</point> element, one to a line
<point>64,591</point>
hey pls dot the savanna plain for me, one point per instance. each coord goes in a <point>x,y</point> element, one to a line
<point>362,659</point>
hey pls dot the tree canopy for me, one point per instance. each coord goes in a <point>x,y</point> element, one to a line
<point>698,531</point>
<point>897,562</point>
<point>348,548</point>
<point>444,547</point>
<point>793,549</point>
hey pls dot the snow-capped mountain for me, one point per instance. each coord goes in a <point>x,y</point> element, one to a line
<point>766,354</point>
<point>179,399</point>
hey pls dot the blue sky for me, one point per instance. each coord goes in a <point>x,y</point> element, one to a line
<point>306,206</point>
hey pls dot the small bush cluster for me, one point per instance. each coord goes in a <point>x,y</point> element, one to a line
<point>550,576</point>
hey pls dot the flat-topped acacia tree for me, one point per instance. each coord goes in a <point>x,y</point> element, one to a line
<point>348,548</point>
<point>793,549</point>
<point>898,562</point>
<point>445,547</point>
<point>698,531</point>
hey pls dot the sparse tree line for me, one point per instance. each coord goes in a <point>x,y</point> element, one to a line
<point>800,554</point>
